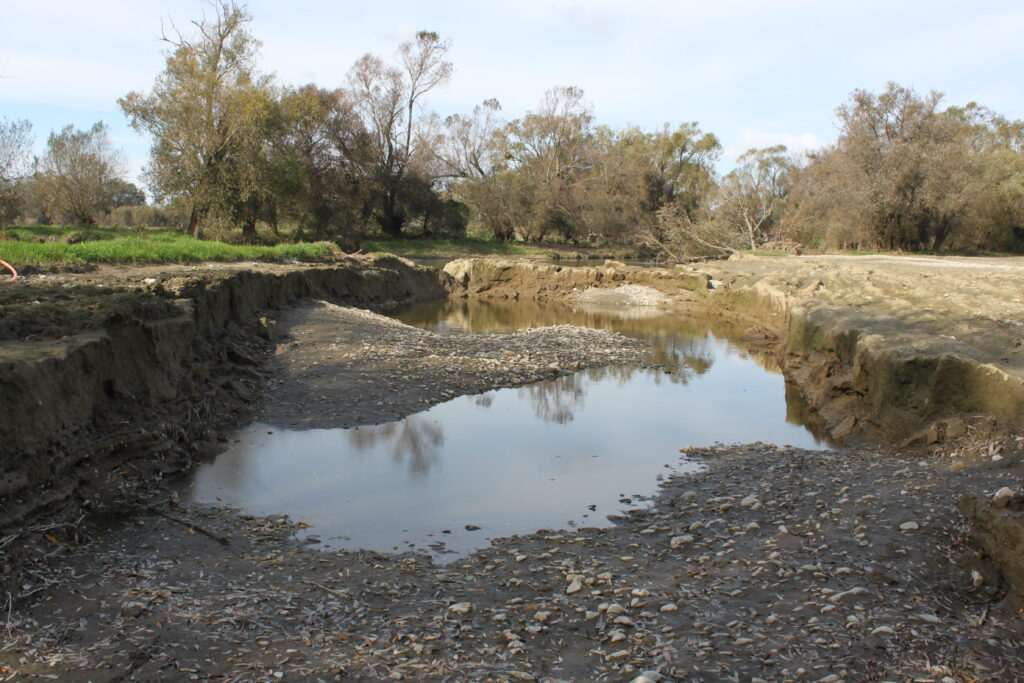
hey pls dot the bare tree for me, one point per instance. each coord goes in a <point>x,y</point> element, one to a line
<point>386,98</point>
<point>15,147</point>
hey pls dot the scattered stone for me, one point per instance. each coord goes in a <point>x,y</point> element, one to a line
<point>1002,497</point>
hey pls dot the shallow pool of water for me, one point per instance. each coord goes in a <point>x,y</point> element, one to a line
<point>559,453</point>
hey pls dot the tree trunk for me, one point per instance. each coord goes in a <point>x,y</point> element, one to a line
<point>195,223</point>
<point>391,219</point>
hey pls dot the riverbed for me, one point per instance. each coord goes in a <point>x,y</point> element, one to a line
<point>558,453</point>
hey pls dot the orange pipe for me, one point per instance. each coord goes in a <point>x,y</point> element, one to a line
<point>8,266</point>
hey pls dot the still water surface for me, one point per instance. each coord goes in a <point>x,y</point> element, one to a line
<point>554,454</point>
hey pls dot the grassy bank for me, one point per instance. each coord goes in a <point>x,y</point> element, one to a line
<point>451,248</point>
<point>39,245</point>
<point>102,245</point>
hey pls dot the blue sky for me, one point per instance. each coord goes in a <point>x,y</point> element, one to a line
<point>754,72</point>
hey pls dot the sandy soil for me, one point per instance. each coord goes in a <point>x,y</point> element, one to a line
<point>769,565</point>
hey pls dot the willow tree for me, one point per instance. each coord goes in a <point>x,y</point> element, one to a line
<point>904,174</point>
<point>752,197</point>
<point>204,114</point>
<point>79,174</point>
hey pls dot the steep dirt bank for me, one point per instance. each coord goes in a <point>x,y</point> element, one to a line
<point>112,381</point>
<point>882,347</point>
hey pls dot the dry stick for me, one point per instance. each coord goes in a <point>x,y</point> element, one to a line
<point>10,609</point>
<point>190,525</point>
<point>325,588</point>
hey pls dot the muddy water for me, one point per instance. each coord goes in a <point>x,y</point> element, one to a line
<point>555,454</point>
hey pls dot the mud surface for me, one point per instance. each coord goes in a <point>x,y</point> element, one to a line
<point>772,564</point>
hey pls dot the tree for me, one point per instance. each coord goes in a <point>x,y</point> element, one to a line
<point>204,113</point>
<point>386,98</point>
<point>79,173</point>
<point>15,145</point>
<point>682,167</point>
<point>752,197</point>
<point>905,175</point>
<point>123,193</point>
<point>547,153</point>
<point>321,163</point>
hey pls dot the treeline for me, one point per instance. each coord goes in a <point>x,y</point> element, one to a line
<point>235,153</point>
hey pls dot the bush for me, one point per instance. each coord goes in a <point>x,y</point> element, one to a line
<point>144,217</point>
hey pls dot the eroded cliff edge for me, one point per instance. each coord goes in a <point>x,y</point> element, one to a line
<point>882,347</point>
<point>114,379</point>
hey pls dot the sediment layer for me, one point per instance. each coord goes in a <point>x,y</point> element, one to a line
<point>95,406</point>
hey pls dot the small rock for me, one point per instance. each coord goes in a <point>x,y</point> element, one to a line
<point>909,526</point>
<point>648,677</point>
<point>542,616</point>
<point>132,609</point>
<point>574,587</point>
<point>669,607</point>
<point>461,608</point>
<point>750,501</point>
<point>679,541</point>
<point>1002,497</point>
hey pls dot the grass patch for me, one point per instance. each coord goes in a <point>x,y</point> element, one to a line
<point>147,247</point>
<point>451,248</point>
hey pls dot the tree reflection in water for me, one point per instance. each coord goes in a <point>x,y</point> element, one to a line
<point>414,440</point>
<point>556,400</point>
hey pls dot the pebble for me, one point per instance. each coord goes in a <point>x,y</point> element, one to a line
<point>909,526</point>
<point>1002,497</point>
<point>648,677</point>
<point>461,608</point>
<point>858,590</point>
<point>679,541</point>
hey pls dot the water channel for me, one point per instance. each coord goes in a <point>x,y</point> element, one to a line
<point>554,454</point>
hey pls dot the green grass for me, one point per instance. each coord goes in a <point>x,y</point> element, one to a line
<point>44,233</point>
<point>451,248</point>
<point>115,246</point>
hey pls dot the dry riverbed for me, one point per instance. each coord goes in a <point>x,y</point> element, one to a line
<point>770,564</point>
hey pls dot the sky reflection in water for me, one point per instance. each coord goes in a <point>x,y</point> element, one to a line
<point>549,455</point>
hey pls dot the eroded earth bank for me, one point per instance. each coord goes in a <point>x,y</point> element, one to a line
<point>894,557</point>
